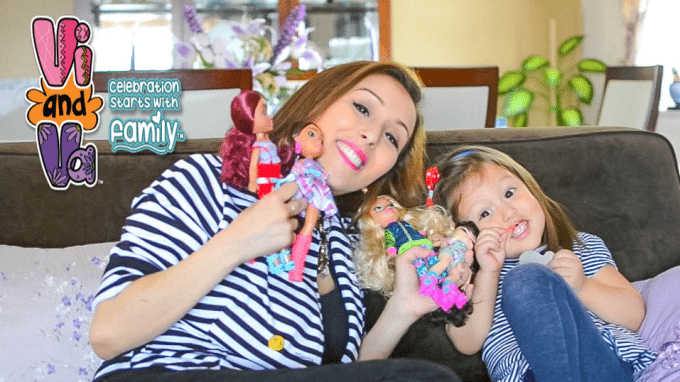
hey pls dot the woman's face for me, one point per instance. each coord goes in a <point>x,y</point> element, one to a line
<point>364,132</point>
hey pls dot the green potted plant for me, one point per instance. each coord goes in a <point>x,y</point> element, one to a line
<point>547,82</point>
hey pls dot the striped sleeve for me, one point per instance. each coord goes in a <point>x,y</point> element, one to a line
<point>598,255</point>
<point>171,219</point>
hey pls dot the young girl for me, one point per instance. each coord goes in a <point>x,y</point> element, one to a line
<point>573,320</point>
<point>388,229</point>
<point>180,300</point>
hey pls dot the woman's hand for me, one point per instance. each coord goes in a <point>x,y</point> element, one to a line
<point>407,284</point>
<point>265,227</point>
<point>566,264</point>
<point>490,249</point>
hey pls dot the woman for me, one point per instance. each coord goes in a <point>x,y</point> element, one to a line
<point>180,294</point>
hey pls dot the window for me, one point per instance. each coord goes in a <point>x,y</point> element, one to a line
<point>656,44</point>
<point>141,34</point>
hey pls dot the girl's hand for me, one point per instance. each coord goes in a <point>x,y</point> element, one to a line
<point>566,264</point>
<point>490,249</point>
<point>407,284</point>
<point>265,227</point>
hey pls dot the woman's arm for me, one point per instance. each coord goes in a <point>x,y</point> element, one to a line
<point>404,307</point>
<point>153,303</point>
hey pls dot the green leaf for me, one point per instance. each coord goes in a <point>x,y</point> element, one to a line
<point>572,117</point>
<point>519,101</point>
<point>583,88</point>
<point>510,80</point>
<point>534,63</point>
<point>591,65</point>
<point>569,45</point>
<point>552,77</point>
<point>520,120</point>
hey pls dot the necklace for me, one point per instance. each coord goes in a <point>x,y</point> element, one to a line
<point>322,268</point>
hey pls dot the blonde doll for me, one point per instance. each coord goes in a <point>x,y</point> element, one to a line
<point>388,229</point>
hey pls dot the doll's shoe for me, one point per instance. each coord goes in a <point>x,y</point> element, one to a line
<point>276,262</point>
<point>451,296</point>
<point>299,253</point>
<point>429,286</point>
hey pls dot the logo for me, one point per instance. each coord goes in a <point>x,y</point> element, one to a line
<point>63,108</point>
<point>156,134</point>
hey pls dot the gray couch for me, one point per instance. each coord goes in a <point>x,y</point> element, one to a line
<point>620,184</point>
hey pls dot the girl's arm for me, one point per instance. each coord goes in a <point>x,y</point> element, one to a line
<point>469,338</point>
<point>404,307</point>
<point>607,293</point>
<point>490,254</point>
<point>153,303</point>
<point>252,170</point>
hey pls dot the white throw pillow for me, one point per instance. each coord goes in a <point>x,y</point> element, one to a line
<point>45,311</point>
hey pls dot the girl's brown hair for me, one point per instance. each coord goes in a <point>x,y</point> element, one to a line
<point>405,181</point>
<point>457,167</point>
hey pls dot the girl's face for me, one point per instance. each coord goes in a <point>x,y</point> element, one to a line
<point>497,199</point>
<point>262,122</point>
<point>364,131</point>
<point>383,212</point>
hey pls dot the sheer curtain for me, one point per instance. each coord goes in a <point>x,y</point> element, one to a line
<point>657,42</point>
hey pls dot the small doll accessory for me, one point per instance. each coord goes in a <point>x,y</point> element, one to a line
<point>432,176</point>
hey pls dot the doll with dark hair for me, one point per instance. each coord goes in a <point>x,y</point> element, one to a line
<point>249,159</point>
<point>388,230</point>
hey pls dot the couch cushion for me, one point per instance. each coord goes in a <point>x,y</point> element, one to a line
<point>45,308</point>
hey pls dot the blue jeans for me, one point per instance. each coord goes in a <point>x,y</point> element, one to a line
<point>554,331</point>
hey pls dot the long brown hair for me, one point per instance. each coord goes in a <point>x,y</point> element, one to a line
<point>405,180</point>
<point>457,166</point>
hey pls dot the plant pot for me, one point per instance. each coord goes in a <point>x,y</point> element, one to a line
<point>675,93</point>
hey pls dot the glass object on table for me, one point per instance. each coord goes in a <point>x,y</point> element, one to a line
<point>344,30</point>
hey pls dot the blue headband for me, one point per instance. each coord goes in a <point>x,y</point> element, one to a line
<point>464,153</point>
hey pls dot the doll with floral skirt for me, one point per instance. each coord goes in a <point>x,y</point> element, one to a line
<point>249,159</point>
<point>312,183</point>
<point>388,229</point>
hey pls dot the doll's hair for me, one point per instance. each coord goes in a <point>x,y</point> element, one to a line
<point>375,270</point>
<point>465,162</point>
<point>237,144</point>
<point>310,101</point>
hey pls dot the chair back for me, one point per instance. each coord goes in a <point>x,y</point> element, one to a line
<point>205,99</point>
<point>459,98</point>
<point>631,97</point>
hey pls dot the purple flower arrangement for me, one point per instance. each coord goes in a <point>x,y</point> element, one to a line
<point>255,46</point>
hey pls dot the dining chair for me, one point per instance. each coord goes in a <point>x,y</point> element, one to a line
<point>205,99</point>
<point>459,98</point>
<point>631,97</point>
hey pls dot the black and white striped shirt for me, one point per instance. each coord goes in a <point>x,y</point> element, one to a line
<point>501,353</point>
<point>230,327</point>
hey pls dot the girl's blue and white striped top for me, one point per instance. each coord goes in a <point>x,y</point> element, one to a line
<point>503,357</point>
<point>230,327</point>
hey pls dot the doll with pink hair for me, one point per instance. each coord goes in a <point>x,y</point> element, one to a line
<point>249,159</point>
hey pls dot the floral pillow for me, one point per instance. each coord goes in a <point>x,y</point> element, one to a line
<point>661,326</point>
<point>45,311</point>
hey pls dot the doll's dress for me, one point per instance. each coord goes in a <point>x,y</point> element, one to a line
<point>312,183</point>
<point>268,168</point>
<point>402,236</point>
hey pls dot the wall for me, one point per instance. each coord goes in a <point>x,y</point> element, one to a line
<point>15,29</point>
<point>479,33</point>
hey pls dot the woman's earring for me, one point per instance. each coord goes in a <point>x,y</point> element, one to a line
<point>364,190</point>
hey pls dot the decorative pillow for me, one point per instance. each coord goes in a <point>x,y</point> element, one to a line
<point>45,311</point>
<point>662,300</point>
